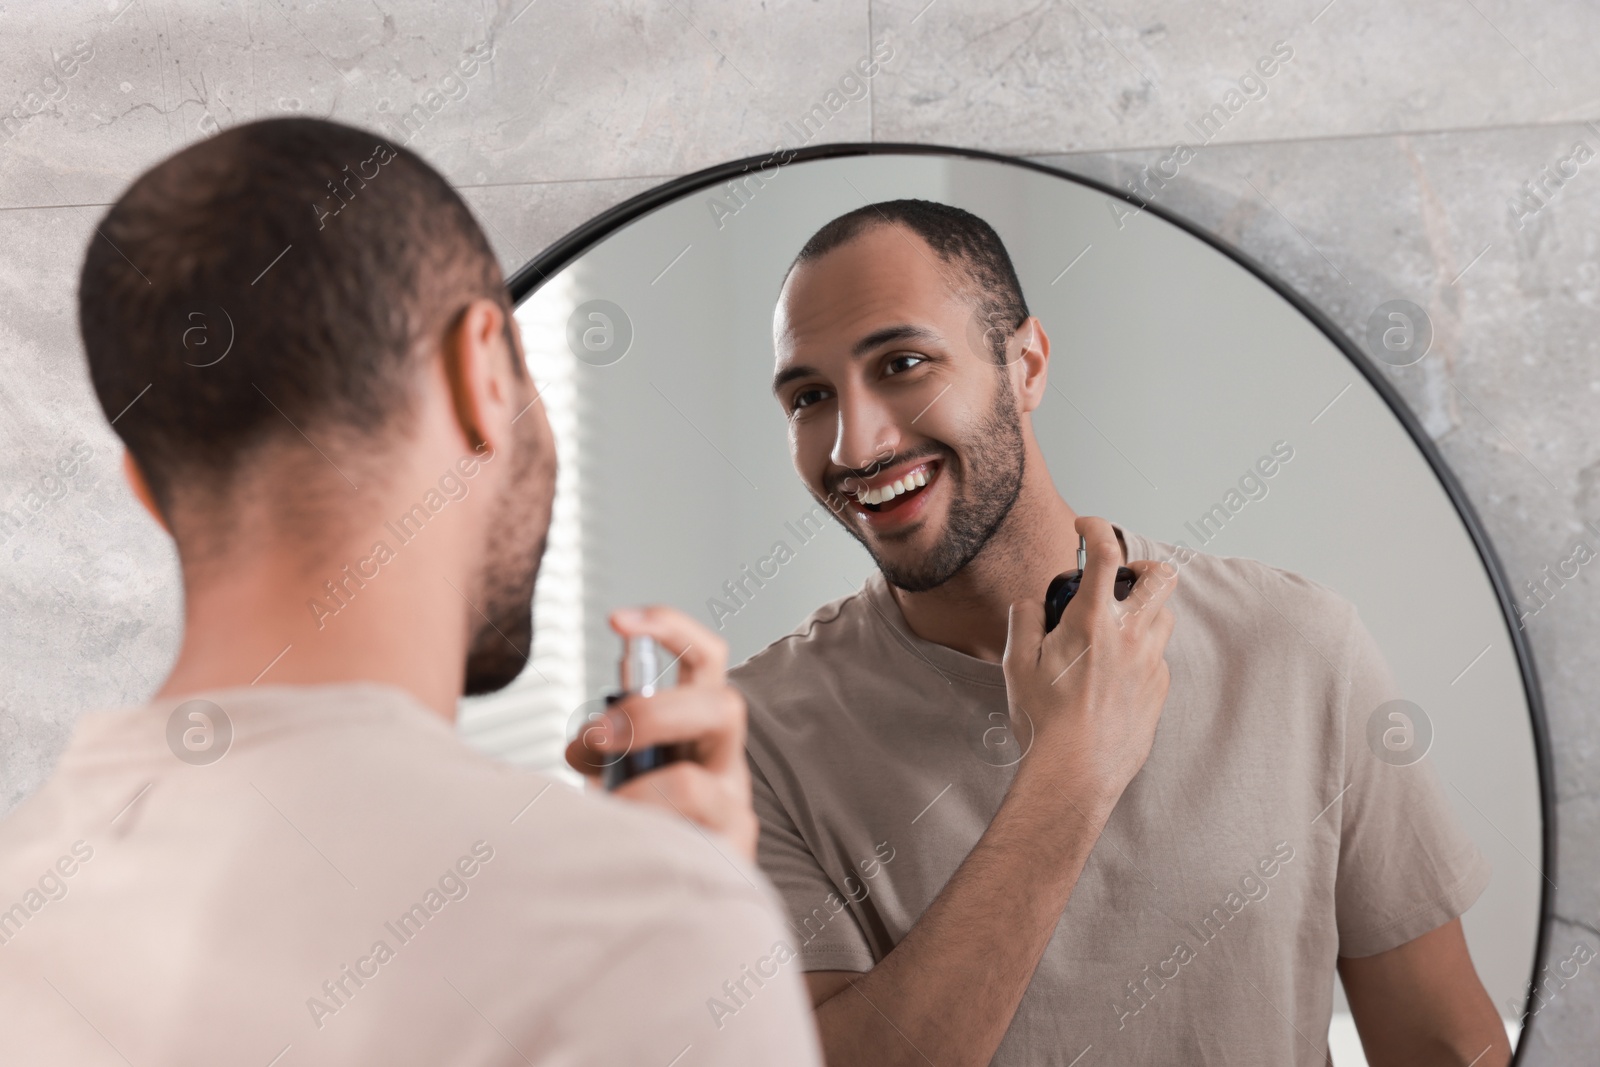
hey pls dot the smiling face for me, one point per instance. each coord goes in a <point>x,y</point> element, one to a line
<point>900,420</point>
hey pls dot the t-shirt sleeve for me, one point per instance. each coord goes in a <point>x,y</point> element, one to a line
<point>712,982</point>
<point>1406,865</point>
<point>826,932</point>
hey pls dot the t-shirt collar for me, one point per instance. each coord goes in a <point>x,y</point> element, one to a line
<point>947,661</point>
<point>254,712</point>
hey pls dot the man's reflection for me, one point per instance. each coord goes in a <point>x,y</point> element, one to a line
<point>1150,836</point>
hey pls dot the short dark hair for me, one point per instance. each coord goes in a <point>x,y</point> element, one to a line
<point>959,237</point>
<point>320,257</point>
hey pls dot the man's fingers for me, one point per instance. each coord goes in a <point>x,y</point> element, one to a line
<point>1104,556</point>
<point>1024,632</point>
<point>713,719</point>
<point>686,787</point>
<point>1163,626</point>
<point>711,787</point>
<point>1154,581</point>
<point>585,760</point>
<point>701,655</point>
<point>696,794</point>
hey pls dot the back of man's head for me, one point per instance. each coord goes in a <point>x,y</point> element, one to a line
<point>273,285</point>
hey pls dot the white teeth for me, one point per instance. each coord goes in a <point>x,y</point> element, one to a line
<point>896,488</point>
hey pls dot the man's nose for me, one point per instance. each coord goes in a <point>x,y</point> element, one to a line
<point>866,432</point>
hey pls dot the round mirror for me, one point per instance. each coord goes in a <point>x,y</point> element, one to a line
<point>1180,374</point>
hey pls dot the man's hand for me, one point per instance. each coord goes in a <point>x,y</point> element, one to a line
<point>712,788</point>
<point>1086,697</point>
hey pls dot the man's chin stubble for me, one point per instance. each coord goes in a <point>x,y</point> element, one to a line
<point>911,579</point>
<point>502,645</point>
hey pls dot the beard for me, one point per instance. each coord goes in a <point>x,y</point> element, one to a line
<point>977,509</point>
<point>502,644</point>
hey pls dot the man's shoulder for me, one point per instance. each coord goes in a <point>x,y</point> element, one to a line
<point>571,841</point>
<point>834,626</point>
<point>625,905</point>
<point>1240,591</point>
<point>418,782</point>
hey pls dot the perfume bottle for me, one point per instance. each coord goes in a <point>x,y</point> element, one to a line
<point>643,664</point>
<point>1064,587</point>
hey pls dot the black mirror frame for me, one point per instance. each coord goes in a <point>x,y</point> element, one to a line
<point>547,263</point>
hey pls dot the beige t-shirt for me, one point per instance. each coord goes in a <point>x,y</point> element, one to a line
<point>1262,839</point>
<point>351,884</point>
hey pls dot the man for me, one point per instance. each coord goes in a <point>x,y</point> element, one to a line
<point>1150,835</point>
<point>288,856</point>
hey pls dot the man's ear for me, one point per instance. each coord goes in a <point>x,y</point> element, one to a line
<point>141,489</point>
<point>1032,364</point>
<point>480,374</point>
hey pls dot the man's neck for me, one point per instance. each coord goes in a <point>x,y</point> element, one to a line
<point>1036,542</point>
<point>252,624</point>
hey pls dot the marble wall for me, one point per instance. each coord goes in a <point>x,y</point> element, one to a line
<point>1397,151</point>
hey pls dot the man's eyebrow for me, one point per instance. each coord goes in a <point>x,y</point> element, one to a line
<point>875,339</point>
<point>902,332</point>
<point>789,374</point>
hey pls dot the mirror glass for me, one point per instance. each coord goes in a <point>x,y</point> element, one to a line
<point>1175,368</point>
